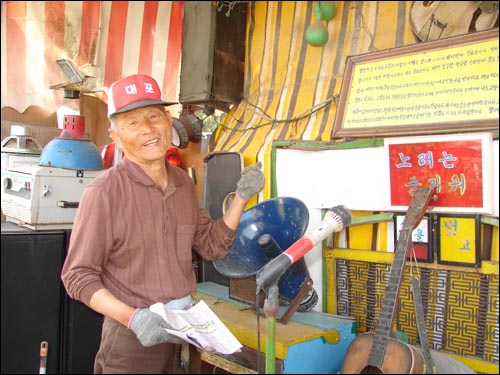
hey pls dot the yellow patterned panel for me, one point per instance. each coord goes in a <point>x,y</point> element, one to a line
<point>460,308</point>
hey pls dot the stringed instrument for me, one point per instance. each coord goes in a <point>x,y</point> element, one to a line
<point>432,20</point>
<point>379,352</point>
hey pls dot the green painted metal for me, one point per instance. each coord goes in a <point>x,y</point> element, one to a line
<point>271,345</point>
<point>489,220</point>
<point>372,219</point>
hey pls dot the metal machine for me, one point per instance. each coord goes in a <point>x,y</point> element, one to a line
<point>41,197</point>
<point>20,145</point>
<point>45,194</point>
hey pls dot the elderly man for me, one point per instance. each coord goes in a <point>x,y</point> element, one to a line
<point>134,232</point>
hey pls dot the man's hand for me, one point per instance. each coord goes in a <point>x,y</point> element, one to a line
<point>150,328</point>
<point>251,181</point>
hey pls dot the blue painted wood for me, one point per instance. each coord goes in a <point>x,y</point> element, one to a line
<point>315,356</point>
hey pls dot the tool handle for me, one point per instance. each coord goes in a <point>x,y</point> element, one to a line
<point>44,351</point>
<point>66,204</point>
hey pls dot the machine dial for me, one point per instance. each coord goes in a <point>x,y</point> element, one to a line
<point>7,183</point>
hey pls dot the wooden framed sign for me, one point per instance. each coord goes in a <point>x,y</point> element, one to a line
<point>426,88</point>
<point>420,248</point>
<point>459,240</point>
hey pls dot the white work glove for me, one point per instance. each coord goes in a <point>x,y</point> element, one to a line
<point>251,181</point>
<point>150,328</point>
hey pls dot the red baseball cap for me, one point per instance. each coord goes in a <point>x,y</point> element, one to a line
<point>134,92</point>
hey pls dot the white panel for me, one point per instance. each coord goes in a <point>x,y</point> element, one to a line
<point>323,179</point>
<point>356,178</point>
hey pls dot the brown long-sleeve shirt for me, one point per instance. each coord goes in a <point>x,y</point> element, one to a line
<point>136,240</point>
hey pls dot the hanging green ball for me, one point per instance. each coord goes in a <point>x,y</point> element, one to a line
<point>317,34</point>
<point>324,10</point>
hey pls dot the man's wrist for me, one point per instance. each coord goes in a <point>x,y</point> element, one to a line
<point>132,317</point>
<point>240,197</point>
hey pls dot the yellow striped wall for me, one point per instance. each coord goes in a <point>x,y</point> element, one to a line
<point>290,96</point>
<point>290,86</point>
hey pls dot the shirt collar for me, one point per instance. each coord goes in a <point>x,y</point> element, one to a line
<point>138,174</point>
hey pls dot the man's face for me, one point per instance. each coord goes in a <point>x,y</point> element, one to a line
<point>143,134</point>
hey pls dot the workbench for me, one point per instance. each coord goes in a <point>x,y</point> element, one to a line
<point>310,343</point>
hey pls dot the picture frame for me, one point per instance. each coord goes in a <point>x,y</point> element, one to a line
<point>421,249</point>
<point>459,240</point>
<point>424,88</point>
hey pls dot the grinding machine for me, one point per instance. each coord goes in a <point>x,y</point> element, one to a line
<point>45,193</point>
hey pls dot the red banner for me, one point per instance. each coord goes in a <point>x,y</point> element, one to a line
<point>454,168</point>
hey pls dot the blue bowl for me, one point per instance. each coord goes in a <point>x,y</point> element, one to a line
<point>71,154</point>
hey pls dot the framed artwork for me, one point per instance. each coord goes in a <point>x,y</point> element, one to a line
<point>440,87</point>
<point>421,249</point>
<point>459,240</point>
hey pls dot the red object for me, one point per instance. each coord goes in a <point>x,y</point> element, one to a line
<point>107,154</point>
<point>134,92</point>
<point>454,168</point>
<point>172,155</point>
<point>299,248</point>
<point>74,126</point>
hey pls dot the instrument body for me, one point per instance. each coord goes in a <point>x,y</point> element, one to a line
<point>378,352</point>
<point>400,358</point>
<point>433,20</point>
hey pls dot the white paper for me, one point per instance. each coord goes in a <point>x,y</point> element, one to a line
<point>199,326</point>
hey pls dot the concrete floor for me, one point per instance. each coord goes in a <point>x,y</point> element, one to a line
<point>446,364</point>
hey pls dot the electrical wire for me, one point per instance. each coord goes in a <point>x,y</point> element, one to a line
<point>229,4</point>
<point>273,121</point>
